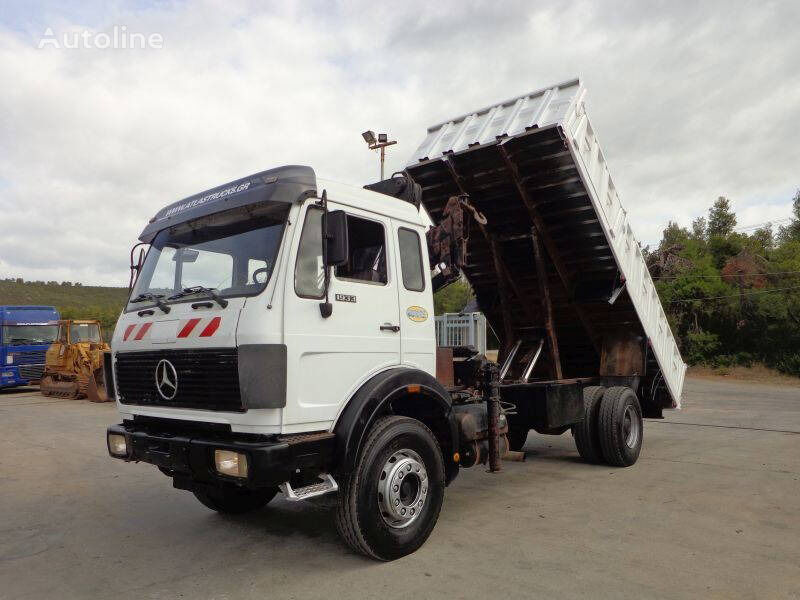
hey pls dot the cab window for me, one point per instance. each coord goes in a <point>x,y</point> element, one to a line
<point>411,259</point>
<point>309,277</point>
<point>367,255</point>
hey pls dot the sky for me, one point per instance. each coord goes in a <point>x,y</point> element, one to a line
<point>690,101</point>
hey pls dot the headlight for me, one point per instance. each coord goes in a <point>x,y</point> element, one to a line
<point>8,374</point>
<point>117,445</point>
<point>230,463</point>
<point>10,359</point>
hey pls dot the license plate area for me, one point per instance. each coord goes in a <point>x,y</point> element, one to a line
<point>169,453</point>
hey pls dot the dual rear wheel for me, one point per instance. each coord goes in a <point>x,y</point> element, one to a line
<point>612,429</point>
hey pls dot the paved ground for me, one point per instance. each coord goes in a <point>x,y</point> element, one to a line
<point>712,509</point>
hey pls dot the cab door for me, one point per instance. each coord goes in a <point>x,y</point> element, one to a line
<point>417,326</point>
<point>329,358</point>
<point>54,357</point>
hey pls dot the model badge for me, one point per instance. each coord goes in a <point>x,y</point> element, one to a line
<point>417,313</point>
<point>345,298</point>
<point>166,379</point>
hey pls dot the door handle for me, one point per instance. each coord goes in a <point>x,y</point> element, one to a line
<point>388,327</point>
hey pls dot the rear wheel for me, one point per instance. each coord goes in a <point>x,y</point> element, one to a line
<point>587,433</point>
<point>389,504</point>
<point>517,437</point>
<point>621,426</point>
<point>234,501</point>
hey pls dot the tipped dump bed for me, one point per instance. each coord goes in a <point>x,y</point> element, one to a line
<point>534,163</point>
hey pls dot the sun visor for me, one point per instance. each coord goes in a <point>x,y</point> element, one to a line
<point>288,184</point>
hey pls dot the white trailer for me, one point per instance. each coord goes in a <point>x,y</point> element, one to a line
<point>279,336</point>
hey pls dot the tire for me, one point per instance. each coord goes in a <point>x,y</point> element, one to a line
<point>587,432</point>
<point>620,427</point>
<point>516,437</point>
<point>362,517</point>
<point>234,501</point>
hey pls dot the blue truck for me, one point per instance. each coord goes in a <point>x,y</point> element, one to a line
<point>26,333</point>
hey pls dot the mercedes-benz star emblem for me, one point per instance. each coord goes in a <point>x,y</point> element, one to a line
<point>166,379</point>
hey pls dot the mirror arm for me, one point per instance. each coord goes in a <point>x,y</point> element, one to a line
<point>325,308</point>
<point>137,268</point>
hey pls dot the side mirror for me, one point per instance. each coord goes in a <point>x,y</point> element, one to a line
<point>187,255</point>
<point>336,246</point>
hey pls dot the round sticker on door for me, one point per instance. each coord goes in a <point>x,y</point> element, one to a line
<point>417,313</point>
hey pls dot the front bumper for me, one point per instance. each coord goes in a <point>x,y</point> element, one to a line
<point>189,458</point>
<point>10,376</point>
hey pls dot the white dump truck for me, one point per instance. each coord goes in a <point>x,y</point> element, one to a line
<point>279,335</point>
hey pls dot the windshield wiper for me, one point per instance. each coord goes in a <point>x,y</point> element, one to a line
<point>199,289</point>
<point>22,341</point>
<point>154,298</point>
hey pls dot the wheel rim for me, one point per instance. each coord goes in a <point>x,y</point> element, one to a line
<point>402,488</point>
<point>631,427</point>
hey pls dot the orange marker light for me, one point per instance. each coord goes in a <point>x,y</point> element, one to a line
<point>456,457</point>
<point>413,389</point>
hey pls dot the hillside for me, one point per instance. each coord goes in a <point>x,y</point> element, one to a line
<point>73,301</point>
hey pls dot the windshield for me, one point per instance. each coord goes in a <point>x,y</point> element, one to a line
<point>84,332</point>
<point>21,335</point>
<point>232,252</point>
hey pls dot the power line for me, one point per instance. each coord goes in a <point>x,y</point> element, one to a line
<point>723,276</point>
<point>797,287</point>
<point>740,228</point>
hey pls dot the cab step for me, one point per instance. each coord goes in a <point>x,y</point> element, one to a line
<point>326,486</point>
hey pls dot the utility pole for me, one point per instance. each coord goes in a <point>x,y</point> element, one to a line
<point>378,143</point>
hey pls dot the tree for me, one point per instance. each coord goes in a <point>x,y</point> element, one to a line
<point>723,247</point>
<point>730,297</point>
<point>699,226</point>
<point>452,298</point>
<point>793,229</point>
<point>721,218</point>
<point>672,235</point>
<point>764,239</point>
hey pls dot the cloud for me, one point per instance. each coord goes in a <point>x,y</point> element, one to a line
<point>690,101</point>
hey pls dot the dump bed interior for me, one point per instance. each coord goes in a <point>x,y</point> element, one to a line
<point>533,167</point>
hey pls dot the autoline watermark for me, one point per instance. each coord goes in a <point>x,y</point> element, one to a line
<point>118,38</point>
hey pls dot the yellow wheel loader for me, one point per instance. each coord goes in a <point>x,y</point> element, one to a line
<point>74,363</point>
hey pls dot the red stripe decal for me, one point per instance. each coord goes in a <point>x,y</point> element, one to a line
<point>128,331</point>
<point>211,327</point>
<point>142,331</point>
<point>187,329</point>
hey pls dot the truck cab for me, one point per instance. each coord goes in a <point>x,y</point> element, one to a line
<point>256,354</point>
<point>26,333</point>
<point>272,323</point>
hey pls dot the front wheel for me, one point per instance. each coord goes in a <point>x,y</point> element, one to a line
<point>234,501</point>
<point>389,504</point>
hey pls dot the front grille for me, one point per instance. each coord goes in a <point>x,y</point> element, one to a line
<point>31,371</point>
<point>206,379</point>
<point>28,357</point>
